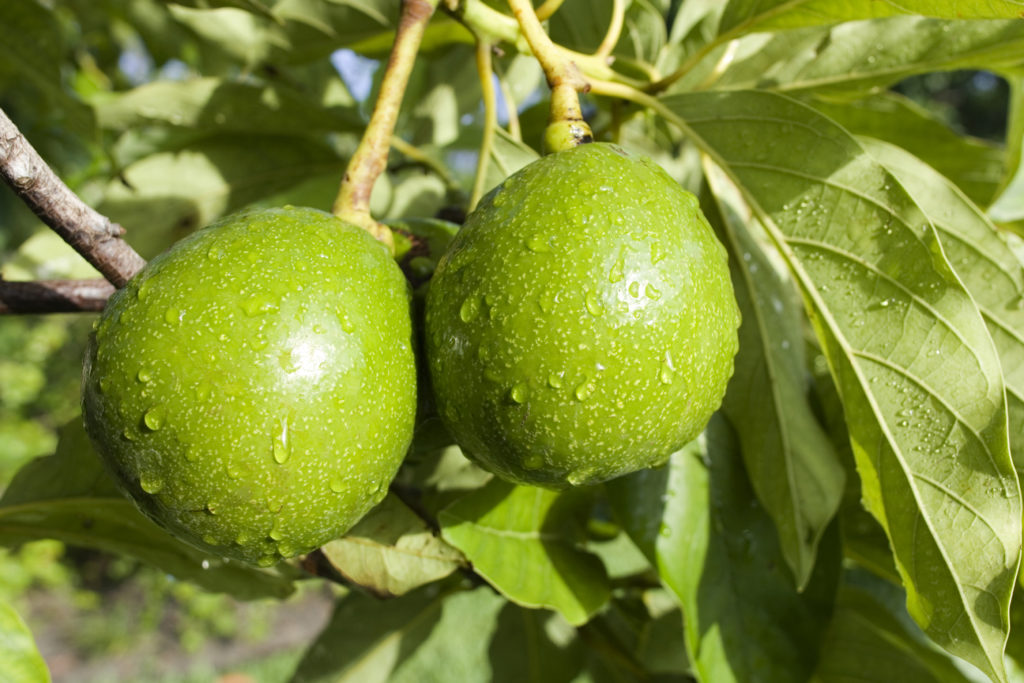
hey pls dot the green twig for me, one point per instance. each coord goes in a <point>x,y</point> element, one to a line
<point>370,158</point>
<point>611,37</point>
<point>514,129</point>
<point>485,70</point>
<point>548,8</point>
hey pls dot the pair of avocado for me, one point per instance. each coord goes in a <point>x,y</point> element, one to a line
<point>254,387</point>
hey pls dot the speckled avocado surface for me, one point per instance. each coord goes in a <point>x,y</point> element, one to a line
<point>254,388</point>
<point>582,324</point>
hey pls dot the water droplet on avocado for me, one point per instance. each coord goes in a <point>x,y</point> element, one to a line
<point>657,253</point>
<point>634,289</point>
<point>594,304</point>
<point>104,385</point>
<point>585,390</point>
<point>652,292</point>
<point>555,380</point>
<point>534,461</point>
<point>209,539</point>
<point>243,538</point>
<point>519,392</point>
<point>215,253</point>
<point>276,532</point>
<point>666,375</point>
<point>347,326</point>
<point>267,561</point>
<point>143,290</point>
<point>172,316</point>
<point>580,477</point>
<point>538,244</point>
<point>281,446</point>
<point>129,434</point>
<point>470,309</point>
<point>144,375</point>
<point>618,271</point>
<point>337,485</point>
<point>259,305</point>
<point>155,417</point>
<point>151,484</point>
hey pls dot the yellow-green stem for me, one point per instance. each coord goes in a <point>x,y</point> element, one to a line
<point>485,70</point>
<point>566,127</point>
<point>371,156</point>
<point>511,110</point>
<point>547,8</point>
<point>611,37</point>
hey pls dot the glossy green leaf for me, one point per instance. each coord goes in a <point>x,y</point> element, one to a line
<point>985,264</point>
<point>531,646</point>
<point>522,539</point>
<point>216,104</point>
<point>167,195</point>
<point>392,551</point>
<point>859,56</point>
<point>918,374</point>
<point>789,459</point>
<point>716,548</point>
<point>20,661</point>
<point>975,166</point>
<point>68,496</point>
<point>747,16</point>
<point>865,642</point>
<point>507,156</point>
<point>428,635</point>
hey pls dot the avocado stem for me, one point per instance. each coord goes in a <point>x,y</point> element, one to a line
<point>484,65</point>
<point>611,37</point>
<point>547,8</point>
<point>566,127</point>
<point>371,156</point>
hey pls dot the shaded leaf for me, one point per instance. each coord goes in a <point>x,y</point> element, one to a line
<point>745,16</point>
<point>68,496</point>
<point>913,362</point>
<point>20,661</point>
<point>392,551</point>
<point>521,539</point>
<point>507,156</point>
<point>791,464</point>
<point>427,635</point>
<point>975,166</point>
<point>530,646</point>
<point>985,264</point>
<point>717,550</point>
<point>866,642</point>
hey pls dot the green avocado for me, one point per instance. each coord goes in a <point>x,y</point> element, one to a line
<point>253,388</point>
<point>582,324</point>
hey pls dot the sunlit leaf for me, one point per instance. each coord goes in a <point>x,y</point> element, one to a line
<point>522,539</point>
<point>918,374</point>
<point>745,16</point>
<point>70,497</point>
<point>20,661</point>
<point>392,551</point>
<point>790,462</point>
<point>974,165</point>
<point>717,550</point>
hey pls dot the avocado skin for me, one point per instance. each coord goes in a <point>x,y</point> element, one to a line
<point>582,324</point>
<point>253,388</point>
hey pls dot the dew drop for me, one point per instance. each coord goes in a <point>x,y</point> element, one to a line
<point>657,253</point>
<point>143,290</point>
<point>172,316</point>
<point>579,477</point>
<point>534,461</point>
<point>243,538</point>
<point>634,289</point>
<point>538,244</point>
<point>519,392</point>
<point>585,390</point>
<point>266,561</point>
<point>281,447</point>
<point>259,305</point>
<point>555,380</point>
<point>594,304</point>
<point>665,531</point>
<point>652,292</point>
<point>277,533</point>
<point>347,326</point>
<point>144,375</point>
<point>155,417</point>
<point>666,375</point>
<point>104,385</point>
<point>470,309</point>
<point>336,484</point>
<point>151,484</point>
<point>617,273</point>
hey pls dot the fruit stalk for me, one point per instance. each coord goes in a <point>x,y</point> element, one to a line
<point>566,127</point>
<point>485,70</point>
<point>370,158</point>
<point>92,234</point>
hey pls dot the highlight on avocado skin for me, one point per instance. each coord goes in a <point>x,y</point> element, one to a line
<point>253,389</point>
<point>582,324</point>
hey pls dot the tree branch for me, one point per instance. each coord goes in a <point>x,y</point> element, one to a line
<point>91,234</point>
<point>54,296</point>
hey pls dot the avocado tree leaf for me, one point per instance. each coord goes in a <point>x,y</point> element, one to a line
<point>975,166</point>
<point>427,635</point>
<point>1009,207</point>
<point>717,550</point>
<point>865,641</point>
<point>791,464</point>
<point>166,195</point>
<point>20,661</point>
<point>534,646</point>
<point>522,539</point>
<point>917,371</point>
<point>748,16</point>
<point>68,496</point>
<point>985,264</point>
<point>215,104</point>
<point>862,56</point>
<point>508,155</point>
<point>391,551</point>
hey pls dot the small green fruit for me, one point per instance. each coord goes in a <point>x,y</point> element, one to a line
<point>254,388</point>
<point>582,324</point>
